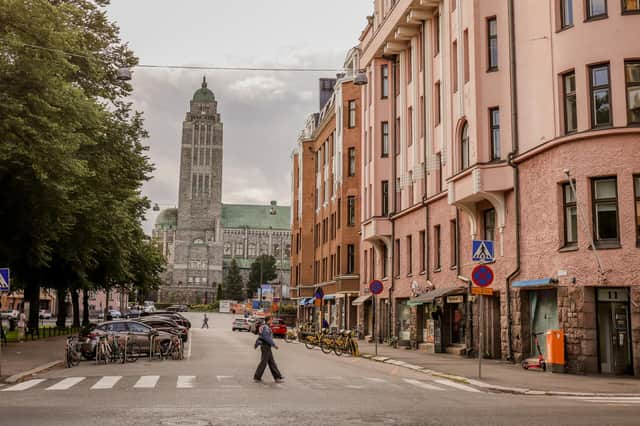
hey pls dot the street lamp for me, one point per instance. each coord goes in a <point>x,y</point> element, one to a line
<point>124,74</point>
<point>361,78</point>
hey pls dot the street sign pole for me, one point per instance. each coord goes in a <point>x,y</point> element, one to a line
<point>375,325</point>
<point>481,327</point>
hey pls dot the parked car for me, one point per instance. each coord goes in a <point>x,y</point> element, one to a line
<point>178,308</point>
<point>171,315</point>
<point>11,313</point>
<point>278,327</point>
<point>44,314</point>
<point>115,314</point>
<point>241,324</point>
<point>149,308</point>
<point>133,313</point>
<point>134,329</point>
<point>166,324</point>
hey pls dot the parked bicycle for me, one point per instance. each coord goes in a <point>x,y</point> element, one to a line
<point>72,355</point>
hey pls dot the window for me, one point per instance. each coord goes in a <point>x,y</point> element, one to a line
<point>436,104</point>
<point>352,114</point>
<point>372,259</point>
<point>365,272</point>
<point>352,161</point>
<point>437,246</point>
<point>632,77</point>
<point>409,65</point>
<point>239,249</point>
<point>384,89</point>
<point>465,40</point>
<point>566,13</point>
<point>570,109</point>
<point>490,224</point>
<point>396,78</point>
<point>409,255</point>
<point>600,96</point>
<point>436,34</point>
<point>351,210</point>
<point>630,6</point>
<point>409,126</point>
<point>453,233</point>
<point>351,258</point>
<point>385,198</point>
<point>570,215</point>
<point>596,8</point>
<point>636,186</point>
<point>339,218</point>
<point>439,173</point>
<point>385,257</point>
<point>422,251</point>
<point>396,266</point>
<point>454,66</point>
<point>385,139</point>
<point>396,141</point>
<point>492,43</point>
<point>252,249</point>
<point>398,189</point>
<point>605,210</point>
<point>494,118</point>
<point>339,260</point>
<point>464,146</point>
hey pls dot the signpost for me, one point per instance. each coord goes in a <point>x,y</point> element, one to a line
<point>4,287</point>
<point>482,277</point>
<point>375,287</point>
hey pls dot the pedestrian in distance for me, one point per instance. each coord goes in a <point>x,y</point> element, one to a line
<point>205,321</point>
<point>265,341</point>
<point>22,325</point>
<point>325,323</point>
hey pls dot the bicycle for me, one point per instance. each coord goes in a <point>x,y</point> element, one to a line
<point>313,340</point>
<point>72,356</point>
<point>132,349</point>
<point>103,350</point>
<point>391,341</point>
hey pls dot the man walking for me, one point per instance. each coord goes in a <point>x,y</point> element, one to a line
<point>205,321</point>
<point>265,341</point>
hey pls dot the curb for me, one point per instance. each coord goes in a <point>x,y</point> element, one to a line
<point>494,388</point>
<point>17,378</point>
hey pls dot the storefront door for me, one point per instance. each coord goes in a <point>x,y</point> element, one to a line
<point>404,321</point>
<point>614,335</point>
<point>544,316</point>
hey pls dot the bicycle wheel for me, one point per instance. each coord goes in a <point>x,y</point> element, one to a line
<point>132,351</point>
<point>326,345</point>
<point>338,347</point>
<point>310,343</point>
<point>74,358</point>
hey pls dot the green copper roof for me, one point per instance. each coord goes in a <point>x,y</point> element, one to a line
<point>203,94</point>
<point>254,216</point>
<point>167,217</point>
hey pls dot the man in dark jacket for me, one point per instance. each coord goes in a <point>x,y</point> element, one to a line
<point>265,341</point>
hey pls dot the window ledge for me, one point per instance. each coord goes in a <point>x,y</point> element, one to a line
<point>568,248</point>
<point>565,28</point>
<point>437,270</point>
<point>452,267</point>
<point>410,274</point>
<point>423,272</point>
<point>607,245</point>
<point>494,69</point>
<point>631,12</point>
<point>596,18</point>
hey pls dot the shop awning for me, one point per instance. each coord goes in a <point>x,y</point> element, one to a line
<point>433,294</point>
<point>303,301</point>
<point>361,299</point>
<point>532,284</point>
<point>329,297</point>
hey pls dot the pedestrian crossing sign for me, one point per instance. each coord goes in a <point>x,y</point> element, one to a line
<point>482,251</point>
<point>4,279</point>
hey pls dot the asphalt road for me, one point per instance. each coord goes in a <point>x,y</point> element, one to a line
<point>214,386</point>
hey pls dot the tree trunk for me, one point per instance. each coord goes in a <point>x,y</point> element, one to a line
<point>61,295</point>
<point>75,301</point>
<point>106,303</point>
<point>85,307</point>
<point>32,295</point>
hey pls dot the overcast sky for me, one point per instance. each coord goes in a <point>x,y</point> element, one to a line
<point>262,112</point>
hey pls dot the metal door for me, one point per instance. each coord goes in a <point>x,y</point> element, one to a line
<point>544,316</point>
<point>614,337</point>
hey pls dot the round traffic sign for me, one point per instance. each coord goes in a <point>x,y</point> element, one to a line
<point>375,287</point>
<point>482,275</point>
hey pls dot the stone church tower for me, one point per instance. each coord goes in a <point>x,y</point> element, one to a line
<point>197,268</point>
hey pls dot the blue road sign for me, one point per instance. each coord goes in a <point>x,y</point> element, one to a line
<point>482,275</point>
<point>4,279</point>
<point>482,251</point>
<point>376,287</point>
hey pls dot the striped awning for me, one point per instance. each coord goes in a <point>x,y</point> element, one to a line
<point>361,299</point>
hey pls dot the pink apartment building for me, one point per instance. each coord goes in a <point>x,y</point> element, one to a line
<point>516,121</point>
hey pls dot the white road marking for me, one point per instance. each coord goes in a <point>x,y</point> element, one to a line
<point>107,382</point>
<point>66,383</point>
<point>376,380</point>
<point>422,385</point>
<point>185,381</point>
<point>456,385</point>
<point>616,400</point>
<point>189,337</point>
<point>223,379</point>
<point>354,386</point>
<point>147,382</point>
<point>24,385</point>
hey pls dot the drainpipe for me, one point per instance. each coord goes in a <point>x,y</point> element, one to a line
<point>516,174</point>
<point>468,309</point>
<point>425,196</point>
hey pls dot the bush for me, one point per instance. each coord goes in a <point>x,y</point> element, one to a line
<point>205,307</point>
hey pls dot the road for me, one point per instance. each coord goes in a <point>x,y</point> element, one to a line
<point>214,386</point>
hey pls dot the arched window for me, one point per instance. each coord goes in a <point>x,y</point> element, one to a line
<point>464,146</point>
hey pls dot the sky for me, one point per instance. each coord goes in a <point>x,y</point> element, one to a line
<point>262,112</point>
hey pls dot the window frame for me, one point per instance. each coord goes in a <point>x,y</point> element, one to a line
<point>437,252</point>
<point>565,206</point>
<point>384,139</point>
<point>493,127</point>
<point>600,242</point>
<point>563,24</point>
<point>384,198</point>
<point>628,85</point>
<point>409,243</point>
<point>351,210</point>
<point>485,215</point>
<point>352,108</point>
<point>630,11</point>
<point>351,152</point>
<point>592,90</point>
<point>351,258</point>
<point>587,11</point>
<point>465,147</point>
<point>490,66</point>
<point>636,194</point>
<point>565,97</point>
<point>384,81</point>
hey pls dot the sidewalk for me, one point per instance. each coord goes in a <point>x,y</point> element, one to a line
<point>499,374</point>
<point>21,357</point>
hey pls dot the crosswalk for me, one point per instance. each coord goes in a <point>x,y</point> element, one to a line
<point>606,400</point>
<point>229,382</point>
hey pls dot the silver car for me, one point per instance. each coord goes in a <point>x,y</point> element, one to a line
<point>241,324</point>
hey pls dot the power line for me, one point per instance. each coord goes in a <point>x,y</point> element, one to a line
<point>190,67</point>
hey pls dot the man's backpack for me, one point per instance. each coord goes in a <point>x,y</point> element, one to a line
<point>256,330</point>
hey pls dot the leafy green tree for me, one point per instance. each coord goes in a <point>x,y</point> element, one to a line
<point>220,292</point>
<point>263,269</point>
<point>233,284</point>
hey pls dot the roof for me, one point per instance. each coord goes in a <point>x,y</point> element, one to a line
<point>256,216</point>
<point>167,217</point>
<point>203,94</point>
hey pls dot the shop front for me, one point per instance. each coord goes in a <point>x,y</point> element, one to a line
<point>365,314</point>
<point>403,312</point>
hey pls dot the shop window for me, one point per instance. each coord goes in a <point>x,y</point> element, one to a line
<point>632,78</point>
<point>570,216</point>
<point>605,210</point>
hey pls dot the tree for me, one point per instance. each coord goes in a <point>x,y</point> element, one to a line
<point>263,269</point>
<point>233,285</point>
<point>219,292</point>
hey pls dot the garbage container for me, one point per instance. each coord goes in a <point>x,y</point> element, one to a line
<point>555,351</point>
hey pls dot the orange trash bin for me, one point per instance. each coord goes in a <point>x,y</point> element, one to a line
<point>555,350</point>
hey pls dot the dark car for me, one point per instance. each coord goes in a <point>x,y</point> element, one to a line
<point>178,308</point>
<point>171,315</point>
<point>167,325</point>
<point>141,333</point>
<point>133,313</point>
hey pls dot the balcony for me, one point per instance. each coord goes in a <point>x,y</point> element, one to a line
<point>377,229</point>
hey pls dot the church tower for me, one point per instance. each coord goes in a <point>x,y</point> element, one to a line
<point>197,268</point>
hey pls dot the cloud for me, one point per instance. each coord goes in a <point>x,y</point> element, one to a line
<point>262,88</point>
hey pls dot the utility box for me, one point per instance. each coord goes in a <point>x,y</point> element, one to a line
<point>555,351</point>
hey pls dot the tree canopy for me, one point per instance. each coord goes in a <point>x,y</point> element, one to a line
<point>233,286</point>
<point>263,269</point>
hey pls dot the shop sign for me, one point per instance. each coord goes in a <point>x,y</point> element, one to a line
<point>455,299</point>
<point>485,291</point>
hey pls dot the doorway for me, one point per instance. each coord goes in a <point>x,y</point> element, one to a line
<point>543,306</point>
<point>614,336</point>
